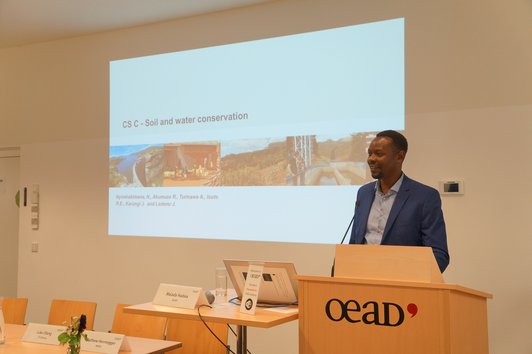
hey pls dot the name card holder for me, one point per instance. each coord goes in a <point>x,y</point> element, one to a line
<point>187,297</point>
<point>42,333</point>
<point>106,343</point>
<point>250,294</point>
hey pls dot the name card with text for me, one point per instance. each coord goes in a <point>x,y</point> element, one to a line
<point>103,342</point>
<point>251,289</point>
<point>187,297</point>
<point>42,333</point>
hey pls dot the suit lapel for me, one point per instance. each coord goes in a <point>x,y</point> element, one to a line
<point>400,199</point>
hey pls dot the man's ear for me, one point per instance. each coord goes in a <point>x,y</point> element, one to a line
<point>401,155</point>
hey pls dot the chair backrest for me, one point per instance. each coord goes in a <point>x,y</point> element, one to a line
<point>14,309</point>
<point>138,325</point>
<point>195,337</point>
<point>62,310</point>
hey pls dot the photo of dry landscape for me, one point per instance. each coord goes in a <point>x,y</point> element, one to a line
<point>262,162</point>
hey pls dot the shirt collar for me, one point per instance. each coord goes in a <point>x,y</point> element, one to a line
<point>395,187</point>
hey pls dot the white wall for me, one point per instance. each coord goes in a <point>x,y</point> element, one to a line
<point>469,109</point>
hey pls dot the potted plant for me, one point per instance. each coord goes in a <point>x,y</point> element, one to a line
<point>73,334</point>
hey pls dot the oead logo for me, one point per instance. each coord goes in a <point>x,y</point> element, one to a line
<point>380,314</point>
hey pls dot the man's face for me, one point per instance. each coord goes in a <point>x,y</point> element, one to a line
<point>383,159</point>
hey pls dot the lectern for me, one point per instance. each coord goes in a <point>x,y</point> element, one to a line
<point>389,300</point>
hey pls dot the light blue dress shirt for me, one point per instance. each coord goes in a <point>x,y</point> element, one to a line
<point>379,212</point>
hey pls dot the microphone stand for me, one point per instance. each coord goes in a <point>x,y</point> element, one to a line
<point>343,238</point>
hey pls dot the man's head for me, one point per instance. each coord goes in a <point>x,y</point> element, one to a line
<point>386,154</point>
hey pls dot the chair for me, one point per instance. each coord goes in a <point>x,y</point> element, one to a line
<point>138,325</point>
<point>62,310</point>
<point>195,337</point>
<point>14,309</point>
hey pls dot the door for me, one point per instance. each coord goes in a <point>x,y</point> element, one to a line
<point>9,214</point>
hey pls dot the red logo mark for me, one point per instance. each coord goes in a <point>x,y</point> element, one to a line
<point>412,309</point>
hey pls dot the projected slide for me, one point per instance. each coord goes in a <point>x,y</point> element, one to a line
<point>263,140</point>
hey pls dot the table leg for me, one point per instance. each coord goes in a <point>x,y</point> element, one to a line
<point>241,339</point>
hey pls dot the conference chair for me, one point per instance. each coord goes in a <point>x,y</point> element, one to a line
<point>14,309</point>
<point>138,325</point>
<point>62,310</point>
<point>195,337</point>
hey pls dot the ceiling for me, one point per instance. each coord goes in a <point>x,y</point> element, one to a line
<point>30,21</point>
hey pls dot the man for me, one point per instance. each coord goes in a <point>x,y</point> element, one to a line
<point>395,210</point>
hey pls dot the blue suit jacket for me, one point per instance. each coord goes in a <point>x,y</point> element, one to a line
<point>416,219</point>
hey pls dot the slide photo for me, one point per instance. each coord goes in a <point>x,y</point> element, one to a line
<point>191,164</point>
<point>136,166</point>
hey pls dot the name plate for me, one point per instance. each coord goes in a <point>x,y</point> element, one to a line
<point>187,297</point>
<point>103,342</point>
<point>42,333</point>
<point>251,289</point>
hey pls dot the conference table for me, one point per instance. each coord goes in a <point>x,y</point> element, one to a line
<point>15,345</point>
<point>223,312</point>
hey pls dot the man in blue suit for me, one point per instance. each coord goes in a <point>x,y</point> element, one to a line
<point>396,210</point>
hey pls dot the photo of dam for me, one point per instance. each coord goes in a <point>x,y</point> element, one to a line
<point>135,166</point>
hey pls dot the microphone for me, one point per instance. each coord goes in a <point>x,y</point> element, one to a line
<point>357,204</point>
<point>209,296</point>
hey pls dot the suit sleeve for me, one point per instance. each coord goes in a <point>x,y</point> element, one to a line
<point>433,232</point>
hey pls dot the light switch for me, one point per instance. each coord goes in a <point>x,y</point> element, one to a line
<point>452,187</point>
